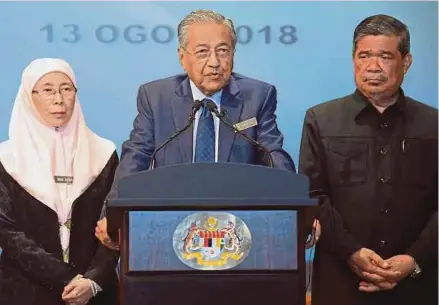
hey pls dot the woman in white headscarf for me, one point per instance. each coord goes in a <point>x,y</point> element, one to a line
<point>54,176</point>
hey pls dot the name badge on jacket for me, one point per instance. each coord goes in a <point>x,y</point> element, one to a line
<point>246,124</point>
<point>63,179</point>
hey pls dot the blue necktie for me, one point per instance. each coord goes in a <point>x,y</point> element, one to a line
<point>205,145</point>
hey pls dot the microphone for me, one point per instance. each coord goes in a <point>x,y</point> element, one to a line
<point>195,107</point>
<point>213,108</point>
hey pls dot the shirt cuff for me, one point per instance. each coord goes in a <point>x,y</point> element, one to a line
<point>94,287</point>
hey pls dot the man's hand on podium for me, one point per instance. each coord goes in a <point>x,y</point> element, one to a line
<point>102,234</point>
<point>315,235</point>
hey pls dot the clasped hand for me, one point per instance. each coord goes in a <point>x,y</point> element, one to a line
<point>378,274</point>
<point>78,291</point>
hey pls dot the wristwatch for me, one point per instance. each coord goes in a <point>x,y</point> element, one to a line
<point>416,272</point>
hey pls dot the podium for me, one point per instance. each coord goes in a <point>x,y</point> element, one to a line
<point>212,233</point>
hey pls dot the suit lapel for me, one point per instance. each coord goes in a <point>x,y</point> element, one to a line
<point>231,102</point>
<point>181,108</point>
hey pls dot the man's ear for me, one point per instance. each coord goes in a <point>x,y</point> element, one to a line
<point>181,57</point>
<point>407,61</point>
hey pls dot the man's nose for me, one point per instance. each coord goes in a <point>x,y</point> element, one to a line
<point>374,65</point>
<point>213,60</point>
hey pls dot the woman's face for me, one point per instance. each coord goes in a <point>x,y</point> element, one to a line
<point>54,98</point>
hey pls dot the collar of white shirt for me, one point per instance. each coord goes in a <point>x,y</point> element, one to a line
<point>198,95</point>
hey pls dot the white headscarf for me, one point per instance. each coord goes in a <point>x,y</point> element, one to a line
<point>35,152</point>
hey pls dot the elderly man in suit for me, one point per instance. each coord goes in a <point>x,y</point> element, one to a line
<point>206,47</point>
<point>206,50</point>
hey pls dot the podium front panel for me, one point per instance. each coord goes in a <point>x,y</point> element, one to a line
<point>267,241</point>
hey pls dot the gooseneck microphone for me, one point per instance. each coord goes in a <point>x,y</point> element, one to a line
<point>213,108</point>
<point>195,107</point>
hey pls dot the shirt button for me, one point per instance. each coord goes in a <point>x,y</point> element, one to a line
<point>384,211</point>
<point>384,125</point>
<point>383,243</point>
<point>385,179</point>
<point>383,151</point>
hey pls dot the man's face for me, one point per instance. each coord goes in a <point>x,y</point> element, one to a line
<point>208,56</point>
<point>379,66</point>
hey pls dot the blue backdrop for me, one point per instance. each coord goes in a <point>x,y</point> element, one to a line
<point>304,48</point>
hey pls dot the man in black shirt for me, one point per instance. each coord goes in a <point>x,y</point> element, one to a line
<point>371,158</point>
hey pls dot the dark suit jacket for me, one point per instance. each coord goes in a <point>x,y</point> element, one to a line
<point>164,107</point>
<point>32,271</point>
<point>376,178</point>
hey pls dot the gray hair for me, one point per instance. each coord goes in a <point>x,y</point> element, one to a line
<point>383,25</point>
<point>203,16</point>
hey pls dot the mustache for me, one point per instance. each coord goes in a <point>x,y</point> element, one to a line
<point>378,77</point>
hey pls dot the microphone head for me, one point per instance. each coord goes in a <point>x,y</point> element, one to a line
<point>211,105</point>
<point>197,105</point>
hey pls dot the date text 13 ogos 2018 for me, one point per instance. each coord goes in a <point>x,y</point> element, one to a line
<point>159,34</point>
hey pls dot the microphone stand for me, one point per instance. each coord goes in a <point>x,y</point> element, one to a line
<point>197,105</point>
<point>213,108</point>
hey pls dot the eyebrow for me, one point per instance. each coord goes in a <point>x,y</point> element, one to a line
<point>380,51</point>
<point>62,84</point>
<point>223,44</point>
<point>386,52</point>
<point>202,45</point>
<point>207,46</point>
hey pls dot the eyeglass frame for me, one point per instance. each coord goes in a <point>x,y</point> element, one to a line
<point>52,95</point>
<point>210,54</point>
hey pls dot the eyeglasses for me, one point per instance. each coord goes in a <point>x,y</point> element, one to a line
<point>50,93</point>
<point>204,54</point>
